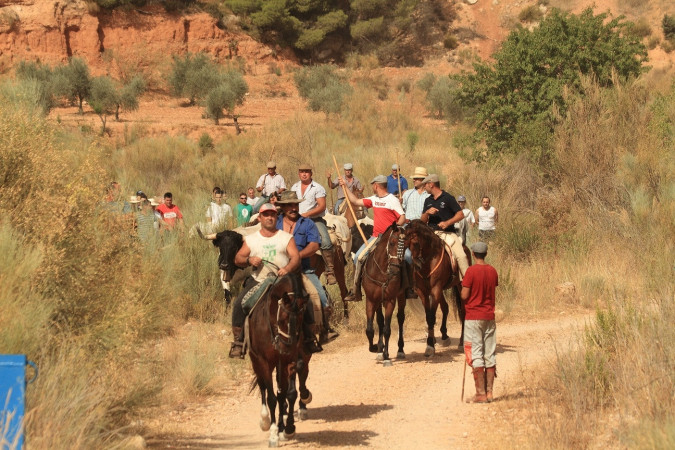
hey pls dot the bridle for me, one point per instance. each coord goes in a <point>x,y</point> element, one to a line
<point>394,261</point>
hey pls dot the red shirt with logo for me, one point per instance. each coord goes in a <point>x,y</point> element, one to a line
<point>482,279</point>
<point>386,210</point>
<point>169,215</point>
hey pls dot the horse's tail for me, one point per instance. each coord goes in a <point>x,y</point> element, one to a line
<point>254,383</point>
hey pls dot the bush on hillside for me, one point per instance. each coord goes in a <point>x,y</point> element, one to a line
<point>442,99</point>
<point>73,81</point>
<point>226,96</point>
<point>107,97</point>
<point>38,79</point>
<point>533,69</point>
<point>323,88</point>
<point>668,25</point>
<point>193,76</point>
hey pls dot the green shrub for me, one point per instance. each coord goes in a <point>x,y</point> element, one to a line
<point>531,13</point>
<point>73,81</point>
<point>427,82</point>
<point>641,28</point>
<point>450,42</point>
<point>193,76</point>
<point>229,93</point>
<point>206,142</point>
<point>442,99</point>
<point>668,25</point>
<point>403,86</point>
<point>323,88</point>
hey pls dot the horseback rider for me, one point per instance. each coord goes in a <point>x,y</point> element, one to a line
<point>266,245</point>
<point>386,210</point>
<point>352,183</point>
<point>268,184</point>
<point>307,239</point>
<point>441,212</point>
<point>313,206</point>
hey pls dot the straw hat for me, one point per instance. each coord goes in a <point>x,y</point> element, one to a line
<point>420,172</point>
<point>134,199</point>
<point>153,202</point>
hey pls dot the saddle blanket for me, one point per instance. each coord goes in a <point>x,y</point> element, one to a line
<point>256,293</point>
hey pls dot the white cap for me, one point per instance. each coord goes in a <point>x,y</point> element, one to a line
<point>394,167</point>
<point>348,166</point>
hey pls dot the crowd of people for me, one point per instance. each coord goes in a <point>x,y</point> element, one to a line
<point>293,229</point>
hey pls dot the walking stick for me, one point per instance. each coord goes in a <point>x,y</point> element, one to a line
<point>398,178</point>
<point>351,208</point>
<point>463,379</point>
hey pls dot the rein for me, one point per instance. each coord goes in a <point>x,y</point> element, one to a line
<point>390,274</point>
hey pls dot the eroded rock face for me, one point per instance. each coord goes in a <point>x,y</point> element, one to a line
<point>52,31</point>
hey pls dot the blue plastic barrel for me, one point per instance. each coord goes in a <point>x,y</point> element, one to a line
<point>12,399</point>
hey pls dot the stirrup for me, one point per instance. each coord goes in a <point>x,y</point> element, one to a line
<point>351,297</point>
<point>311,345</point>
<point>237,350</point>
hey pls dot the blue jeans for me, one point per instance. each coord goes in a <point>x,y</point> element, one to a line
<point>311,276</point>
<point>261,201</point>
<point>362,248</point>
<point>326,244</point>
<point>336,208</point>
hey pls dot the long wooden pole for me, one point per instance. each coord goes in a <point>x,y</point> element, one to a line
<point>463,378</point>
<point>398,178</point>
<point>351,208</point>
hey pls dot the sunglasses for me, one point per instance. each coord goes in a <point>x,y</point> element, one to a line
<point>242,198</point>
<point>268,213</point>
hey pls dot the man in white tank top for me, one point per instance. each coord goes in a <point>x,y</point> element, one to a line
<point>269,245</point>
<point>486,219</point>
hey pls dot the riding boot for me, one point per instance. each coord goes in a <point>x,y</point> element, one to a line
<point>355,295</point>
<point>479,380</point>
<point>490,374</point>
<point>310,344</point>
<point>410,288</point>
<point>328,260</point>
<point>237,346</point>
<point>228,298</point>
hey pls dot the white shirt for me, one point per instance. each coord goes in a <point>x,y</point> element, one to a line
<point>486,219</point>
<point>312,192</point>
<point>271,249</point>
<point>462,226</point>
<point>413,203</point>
<point>251,200</point>
<point>270,184</point>
<point>218,213</point>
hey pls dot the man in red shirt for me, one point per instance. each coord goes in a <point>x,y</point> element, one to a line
<point>169,214</point>
<point>478,295</point>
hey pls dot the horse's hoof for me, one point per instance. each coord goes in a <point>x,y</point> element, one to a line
<point>379,357</point>
<point>274,436</point>
<point>265,420</point>
<point>430,351</point>
<point>307,400</point>
<point>286,437</point>
<point>372,349</point>
<point>387,363</point>
<point>460,347</point>
<point>273,443</point>
<point>400,355</point>
<point>446,342</point>
<point>302,414</point>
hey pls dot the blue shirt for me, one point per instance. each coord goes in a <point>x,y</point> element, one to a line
<point>304,232</point>
<point>392,184</point>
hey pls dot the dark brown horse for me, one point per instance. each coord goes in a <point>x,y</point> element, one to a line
<point>433,272</point>
<point>275,342</point>
<point>382,283</point>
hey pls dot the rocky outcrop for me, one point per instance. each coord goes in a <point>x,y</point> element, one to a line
<point>52,31</point>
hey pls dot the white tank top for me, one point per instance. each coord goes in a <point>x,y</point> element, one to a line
<point>271,249</point>
<point>486,219</point>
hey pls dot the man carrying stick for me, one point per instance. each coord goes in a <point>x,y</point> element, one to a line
<point>480,341</point>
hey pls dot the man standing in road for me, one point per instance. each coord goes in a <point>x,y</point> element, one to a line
<point>442,212</point>
<point>351,181</point>
<point>268,244</point>
<point>392,181</point>
<point>269,183</point>
<point>313,206</point>
<point>486,219</point>
<point>244,210</point>
<point>478,295</point>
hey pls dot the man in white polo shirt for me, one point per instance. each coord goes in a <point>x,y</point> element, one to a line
<point>269,183</point>
<point>386,210</point>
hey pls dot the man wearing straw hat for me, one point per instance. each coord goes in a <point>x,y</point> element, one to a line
<point>413,199</point>
<point>352,183</point>
<point>313,206</point>
<point>269,183</point>
<point>386,210</point>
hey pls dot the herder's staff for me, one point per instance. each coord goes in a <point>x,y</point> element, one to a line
<point>351,208</point>
<point>398,178</point>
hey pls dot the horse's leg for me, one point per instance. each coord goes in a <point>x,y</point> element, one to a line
<point>305,394</point>
<point>271,406</point>
<point>400,316</point>
<point>380,334</point>
<point>339,271</point>
<point>282,389</point>
<point>388,313</point>
<point>291,397</point>
<point>445,309</point>
<point>435,297</point>
<point>265,420</point>
<point>462,314</point>
<point>370,331</point>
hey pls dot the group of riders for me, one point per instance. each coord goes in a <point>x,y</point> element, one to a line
<point>293,229</point>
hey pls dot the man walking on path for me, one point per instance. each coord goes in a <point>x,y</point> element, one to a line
<point>351,181</point>
<point>413,199</point>
<point>169,214</point>
<point>480,339</point>
<point>392,181</point>
<point>313,206</point>
<point>218,211</point>
<point>269,183</point>
<point>442,212</point>
<point>486,219</point>
<point>244,210</point>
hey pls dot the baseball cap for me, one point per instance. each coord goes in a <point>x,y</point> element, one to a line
<point>479,247</point>
<point>432,178</point>
<point>267,207</point>
<point>271,165</point>
<point>380,179</point>
<point>461,198</point>
<point>348,166</point>
<point>394,167</point>
<point>304,167</point>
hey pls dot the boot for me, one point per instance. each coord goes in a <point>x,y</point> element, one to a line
<point>479,380</point>
<point>355,295</point>
<point>328,260</point>
<point>237,346</point>
<point>228,298</point>
<point>310,344</point>
<point>490,374</point>
<point>328,334</point>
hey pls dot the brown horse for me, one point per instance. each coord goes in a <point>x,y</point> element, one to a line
<point>275,342</point>
<point>433,272</point>
<point>382,284</point>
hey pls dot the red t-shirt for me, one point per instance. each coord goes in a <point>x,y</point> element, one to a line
<point>386,210</point>
<point>482,279</point>
<point>169,215</point>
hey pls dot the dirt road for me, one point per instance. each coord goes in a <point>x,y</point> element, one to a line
<point>358,402</point>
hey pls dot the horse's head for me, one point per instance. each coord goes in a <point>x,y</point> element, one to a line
<point>229,243</point>
<point>418,235</point>
<point>394,237</point>
<point>289,299</point>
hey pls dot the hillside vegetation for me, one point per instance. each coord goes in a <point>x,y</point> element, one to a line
<point>91,304</point>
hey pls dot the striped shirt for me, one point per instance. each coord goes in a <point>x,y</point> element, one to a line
<point>413,203</point>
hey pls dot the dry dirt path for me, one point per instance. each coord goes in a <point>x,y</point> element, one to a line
<point>358,402</point>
